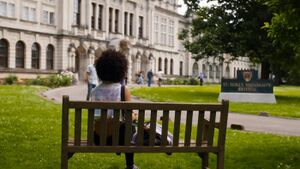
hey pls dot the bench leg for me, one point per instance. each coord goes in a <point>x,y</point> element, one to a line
<point>64,160</point>
<point>204,157</point>
<point>220,160</point>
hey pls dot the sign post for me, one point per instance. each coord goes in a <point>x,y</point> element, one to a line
<point>247,88</point>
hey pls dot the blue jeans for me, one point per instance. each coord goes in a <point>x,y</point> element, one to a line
<point>90,87</point>
<point>149,82</point>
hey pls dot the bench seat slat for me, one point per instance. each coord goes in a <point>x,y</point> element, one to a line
<point>188,129</point>
<point>115,128</point>
<point>145,106</point>
<point>153,119</point>
<point>77,130</point>
<point>128,126</point>
<point>200,128</point>
<point>211,128</point>
<point>90,127</point>
<point>176,128</point>
<point>165,124</point>
<point>141,119</point>
<point>141,149</point>
<point>103,126</point>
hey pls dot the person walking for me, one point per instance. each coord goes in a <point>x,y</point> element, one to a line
<point>92,79</point>
<point>111,69</point>
<point>149,77</point>
<point>159,76</point>
<point>201,78</point>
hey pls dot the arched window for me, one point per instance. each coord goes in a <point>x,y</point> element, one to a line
<point>234,72</point>
<point>217,72</point>
<point>3,53</point>
<point>166,66</point>
<point>159,64</point>
<point>227,72</point>
<point>20,54</point>
<point>180,68</point>
<point>204,70</point>
<point>35,56</point>
<point>211,73</point>
<point>195,69</point>
<point>50,57</point>
<point>171,67</point>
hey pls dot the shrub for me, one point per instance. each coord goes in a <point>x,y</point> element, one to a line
<point>52,81</point>
<point>181,81</point>
<point>193,81</point>
<point>11,79</point>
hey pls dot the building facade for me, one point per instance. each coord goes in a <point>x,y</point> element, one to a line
<point>41,37</point>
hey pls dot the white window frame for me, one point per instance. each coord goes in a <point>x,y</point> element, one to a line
<point>47,17</point>
<point>8,9</point>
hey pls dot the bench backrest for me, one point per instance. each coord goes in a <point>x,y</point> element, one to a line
<point>216,115</point>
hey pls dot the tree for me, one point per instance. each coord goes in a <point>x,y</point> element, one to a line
<point>234,27</point>
<point>284,30</point>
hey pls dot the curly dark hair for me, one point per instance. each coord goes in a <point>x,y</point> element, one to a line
<point>111,66</point>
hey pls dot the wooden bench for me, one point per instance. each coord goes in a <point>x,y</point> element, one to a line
<point>206,140</point>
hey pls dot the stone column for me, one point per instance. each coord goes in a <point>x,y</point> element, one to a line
<point>129,73</point>
<point>43,57</point>
<point>88,17</point>
<point>12,54</point>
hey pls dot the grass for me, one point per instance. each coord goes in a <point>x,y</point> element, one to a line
<point>288,98</point>
<point>30,136</point>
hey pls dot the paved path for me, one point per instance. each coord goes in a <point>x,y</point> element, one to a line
<point>282,126</point>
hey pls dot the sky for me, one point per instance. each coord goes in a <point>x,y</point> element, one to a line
<point>183,7</point>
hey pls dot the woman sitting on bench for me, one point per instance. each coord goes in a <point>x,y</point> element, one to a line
<point>111,69</point>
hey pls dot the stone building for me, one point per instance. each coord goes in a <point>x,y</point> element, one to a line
<point>41,37</point>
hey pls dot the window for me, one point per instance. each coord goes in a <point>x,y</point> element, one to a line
<point>218,72</point>
<point>32,14</point>
<point>76,12</point>
<point>116,20</point>
<point>7,9</point>
<point>159,64</point>
<point>180,68</point>
<point>20,54</point>
<point>163,40</point>
<point>29,14</point>
<point>166,66</point>
<point>125,23</point>
<point>211,73</point>
<point>48,17</point>
<point>25,15</point>
<point>3,8</point>
<point>35,56</point>
<point>156,27</point>
<point>50,57</point>
<point>141,26</point>
<point>93,20</point>
<point>110,20</point>
<point>100,17</point>
<point>131,24</point>
<point>3,53</point>
<point>204,71</point>
<point>171,33</point>
<point>171,67</point>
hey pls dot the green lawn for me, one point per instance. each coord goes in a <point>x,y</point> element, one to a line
<point>30,136</point>
<point>288,98</point>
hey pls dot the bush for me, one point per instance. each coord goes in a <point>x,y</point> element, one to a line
<point>193,81</point>
<point>11,79</point>
<point>52,81</point>
<point>181,81</point>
